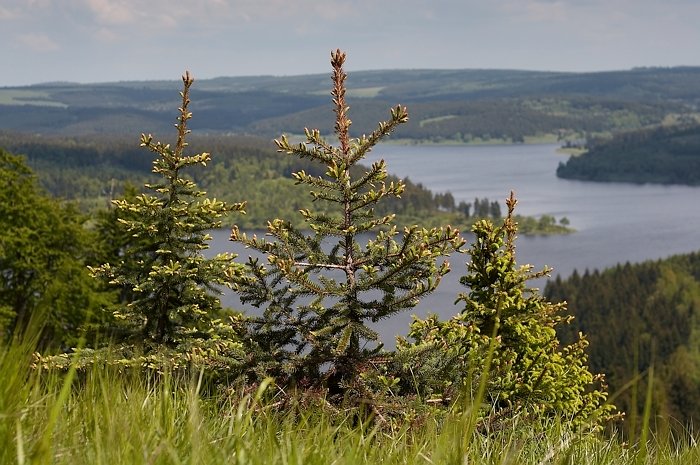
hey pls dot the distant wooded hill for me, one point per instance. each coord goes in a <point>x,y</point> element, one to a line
<point>445,105</point>
<point>663,155</point>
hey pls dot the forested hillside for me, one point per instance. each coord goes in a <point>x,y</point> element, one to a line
<point>446,105</point>
<point>92,170</point>
<point>637,316</point>
<point>664,155</point>
<point>506,119</point>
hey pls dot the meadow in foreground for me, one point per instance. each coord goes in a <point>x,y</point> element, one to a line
<point>102,416</point>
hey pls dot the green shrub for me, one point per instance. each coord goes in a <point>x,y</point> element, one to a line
<point>44,248</point>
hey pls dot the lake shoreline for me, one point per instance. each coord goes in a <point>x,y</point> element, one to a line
<point>615,223</point>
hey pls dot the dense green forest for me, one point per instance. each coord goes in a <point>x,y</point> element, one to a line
<point>92,170</point>
<point>637,316</point>
<point>446,105</point>
<point>664,155</point>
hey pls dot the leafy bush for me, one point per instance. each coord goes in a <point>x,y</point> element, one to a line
<point>44,248</point>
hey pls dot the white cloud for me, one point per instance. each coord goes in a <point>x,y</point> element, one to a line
<point>6,14</point>
<point>113,11</point>
<point>38,42</point>
<point>105,34</point>
<point>536,10</point>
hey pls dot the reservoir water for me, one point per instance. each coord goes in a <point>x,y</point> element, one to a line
<point>615,223</point>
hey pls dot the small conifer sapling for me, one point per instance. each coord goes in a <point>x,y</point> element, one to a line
<point>174,288</point>
<point>529,371</point>
<point>323,289</point>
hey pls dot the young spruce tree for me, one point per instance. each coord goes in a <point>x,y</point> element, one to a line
<point>513,327</point>
<point>174,307</point>
<point>322,289</point>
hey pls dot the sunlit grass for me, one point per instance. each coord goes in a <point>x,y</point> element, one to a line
<point>104,416</point>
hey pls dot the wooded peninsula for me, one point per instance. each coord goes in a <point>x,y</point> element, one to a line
<point>660,155</point>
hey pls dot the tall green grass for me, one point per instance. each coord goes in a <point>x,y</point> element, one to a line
<point>104,416</point>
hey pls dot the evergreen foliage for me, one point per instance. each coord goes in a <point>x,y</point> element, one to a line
<point>638,316</point>
<point>172,287</point>
<point>321,291</point>
<point>505,336</point>
<point>661,155</point>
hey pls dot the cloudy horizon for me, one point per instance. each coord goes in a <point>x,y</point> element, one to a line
<point>116,40</point>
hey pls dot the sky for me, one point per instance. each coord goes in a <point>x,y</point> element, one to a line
<point>117,40</point>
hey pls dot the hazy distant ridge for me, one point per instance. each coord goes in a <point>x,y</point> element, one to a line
<point>441,102</point>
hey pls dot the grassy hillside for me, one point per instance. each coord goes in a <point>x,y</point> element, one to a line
<point>104,417</point>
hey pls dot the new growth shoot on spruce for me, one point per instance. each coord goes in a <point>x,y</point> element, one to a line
<point>323,288</point>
